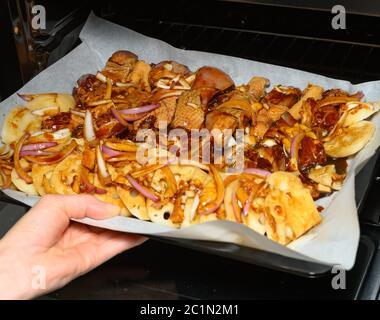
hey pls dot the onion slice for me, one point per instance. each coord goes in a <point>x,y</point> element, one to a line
<point>36,153</point>
<point>134,117</point>
<point>212,207</point>
<point>141,109</point>
<point>146,193</point>
<point>127,156</point>
<point>194,207</point>
<point>108,93</point>
<point>89,132</point>
<point>101,77</point>
<point>110,152</point>
<point>57,157</point>
<point>248,203</point>
<point>38,146</point>
<point>170,180</point>
<point>78,113</point>
<point>20,171</point>
<point>117,115</point>
<point>4,149</point>
<point>42,111</point>
<point>294,147</point>
<point>125,146</point>
<point>147,169</point>
<point>235,207</point>
<point>98,103</point>
<point>104,176</point>
<point>122,84</point>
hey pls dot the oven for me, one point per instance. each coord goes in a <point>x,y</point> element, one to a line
<point>292,33</point>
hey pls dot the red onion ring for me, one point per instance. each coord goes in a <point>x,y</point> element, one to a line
<point>100,191</point>
<point>110,152</point>
<point>118,117</point>
<point>142,189</point>
<point>142,109</point>
<point>38,146</point>
<point>248,203</point>
<point>138,116</point>
<point>235,205</point>
<point>295,146</point>
<point>35,153</point>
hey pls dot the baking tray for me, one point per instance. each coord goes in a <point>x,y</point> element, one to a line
<point>264,258</point>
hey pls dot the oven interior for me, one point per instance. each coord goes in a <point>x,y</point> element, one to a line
<point>278,32</point>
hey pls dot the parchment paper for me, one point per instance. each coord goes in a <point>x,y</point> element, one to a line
<point>334,241</point>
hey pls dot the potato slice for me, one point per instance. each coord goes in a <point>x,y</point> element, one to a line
<point>358,111</point>
<point>288,208</point>
<point>134,201</point>
<point>64,101</point>
<point>112,197</point>
<point>64,173</point>
<point>38,172</point>
<point>161,215</point>
<point>350,140</point>
<point>22,185</point>
<point>181,173</point>
<point>253,221</point>
<point>18,121</point>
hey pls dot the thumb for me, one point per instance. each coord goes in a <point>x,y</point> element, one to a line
<point>50,217</point>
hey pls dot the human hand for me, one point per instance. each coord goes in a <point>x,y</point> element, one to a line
<point>45,250</point>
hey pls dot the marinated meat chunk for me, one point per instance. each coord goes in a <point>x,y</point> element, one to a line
<point>120,65</point>
<point>310,154</point>
<point>188,114</point>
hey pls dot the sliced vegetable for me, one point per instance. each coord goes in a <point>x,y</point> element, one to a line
<point>145,192</point>
<point>127,156</point>
<point>125,146</point>
<point>294,148</point>
<point>107,95</point>
<point>170,179</point>
<point>118,116</point>
<point>235,207</point>
<point>133,117</point>
<point>20,171</point>
<point>45,111</point>
<point>98,103</point>
<point>141,109</point>
<point>212,207</point>
<point>101,77</point>
<point>57,157</point>
<point>89,132</point>
<point>35,153</point>
<point>110,152</point>
<point>103,175</point>
<point>147,169</point>
<point>194,207</point>
<point>38,146</point>
<point>78,113</point>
